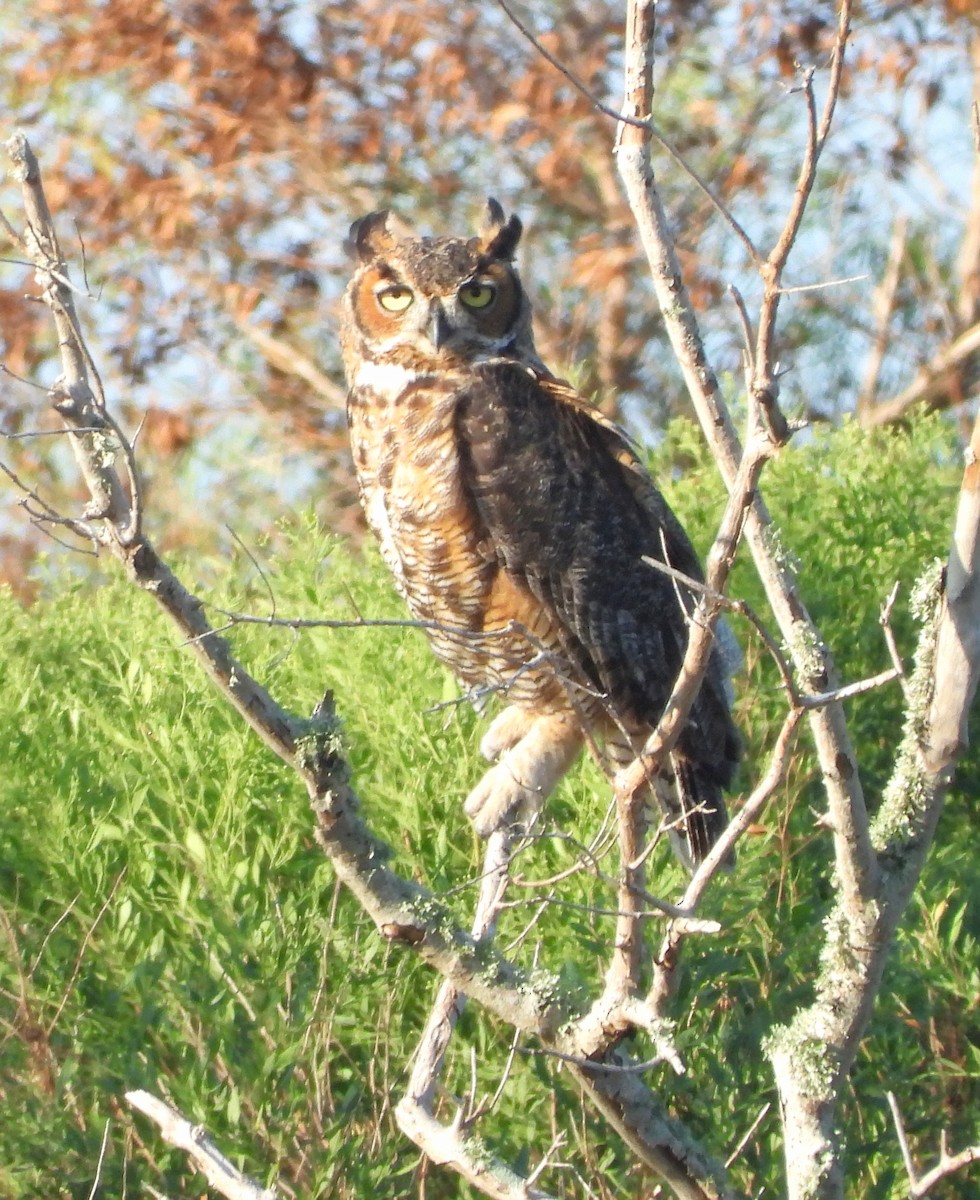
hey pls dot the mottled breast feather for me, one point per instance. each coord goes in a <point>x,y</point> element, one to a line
<point>556,488</point>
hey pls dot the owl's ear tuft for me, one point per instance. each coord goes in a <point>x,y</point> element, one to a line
<point>499,235</point>
<point>374,235</point>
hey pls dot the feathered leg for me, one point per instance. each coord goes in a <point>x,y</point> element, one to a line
<point>532,752</point>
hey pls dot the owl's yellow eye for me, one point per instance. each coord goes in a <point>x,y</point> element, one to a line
<point>395,298</point>
<point>477,295</point>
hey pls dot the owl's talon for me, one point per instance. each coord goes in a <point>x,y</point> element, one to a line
<point>500,799</point>
<point>535,752</point>
<point>505,731</point>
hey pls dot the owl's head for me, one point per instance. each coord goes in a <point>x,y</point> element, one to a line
<point>434,303</point>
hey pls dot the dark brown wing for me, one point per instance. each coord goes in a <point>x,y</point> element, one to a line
<point>571,514</point>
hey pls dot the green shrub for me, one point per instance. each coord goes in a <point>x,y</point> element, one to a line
<point>169,922</point>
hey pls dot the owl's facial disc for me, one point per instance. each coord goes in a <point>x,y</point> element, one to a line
<point>452,306</point>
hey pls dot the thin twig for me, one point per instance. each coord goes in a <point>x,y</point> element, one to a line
<point>76,968</point>
<point>744,1140</point>
<point>850,690</point>
<point>5,370</point>
<point>661,908</point>
<point>572,78</point>
<point>883,299</point>
<point>81,246</point>
<point>258,566</point>
<point>43,523</point>
<point>491,1102</point>
<point>666,962</point>
<point>29,493</point>
<point>885,620</point>
<point>819,287</point>
<point>764,384</point>
<point>719,206</point>
<point>640,123</point>
<point>903,1142</point>
<point>700,642</point>
<point>522,935</point>
<point>591,1064</point>
<point>743,609</point>
<point>14,237</point>
<point>98,1166</point>
<point>414,1113</point>
<point>557,1142</point>
<point>589,858</point>
<point>35,433</point>
<point>929,380</point>
<point>748,342</point>
<point>47,937</point>
<point>948,1164</point>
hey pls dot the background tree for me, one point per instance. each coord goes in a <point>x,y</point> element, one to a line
<point>213,157</point>
<point>871,888</point>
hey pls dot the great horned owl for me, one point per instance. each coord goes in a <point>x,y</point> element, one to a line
<point>515,520</point>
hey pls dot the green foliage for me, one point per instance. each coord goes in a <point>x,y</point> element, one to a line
<point>168,921</point>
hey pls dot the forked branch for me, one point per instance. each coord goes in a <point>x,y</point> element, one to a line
<point>456,1143</point>
<point>856,864</point>
<point>812,1056</point>
<point>948,1164</point>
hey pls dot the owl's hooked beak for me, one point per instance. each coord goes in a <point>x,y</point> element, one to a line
<point>438,329</point>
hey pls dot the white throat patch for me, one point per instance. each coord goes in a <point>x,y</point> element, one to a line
<point>383,378</point>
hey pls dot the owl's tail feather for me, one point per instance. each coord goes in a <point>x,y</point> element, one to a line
<point>705,817</point>
<point>689,801</point>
